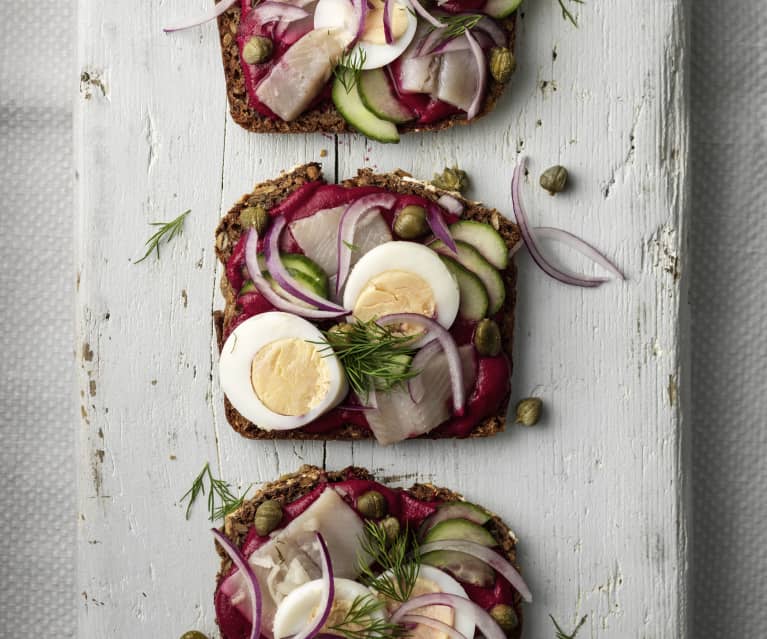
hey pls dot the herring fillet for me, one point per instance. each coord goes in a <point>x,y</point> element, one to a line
<point>457,81</point>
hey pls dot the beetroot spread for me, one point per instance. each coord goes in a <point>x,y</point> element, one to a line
<point>408,510</point>
<point>491,387</point>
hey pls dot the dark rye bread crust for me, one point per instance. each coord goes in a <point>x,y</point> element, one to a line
<point>324,118</point>
<point>270,193</point>
<point>290,487</point>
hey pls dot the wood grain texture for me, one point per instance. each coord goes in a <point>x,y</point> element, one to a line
<point>595,493</point>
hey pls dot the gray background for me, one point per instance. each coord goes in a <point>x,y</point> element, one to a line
<point>728,233</point>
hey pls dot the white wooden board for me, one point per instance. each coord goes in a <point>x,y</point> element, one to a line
<point>595,493</point>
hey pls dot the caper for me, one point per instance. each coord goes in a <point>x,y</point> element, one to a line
<point>529,411</point>
<point>268,517</point>
<point>505,616</point>
<point>451,179</point>
<point>502,64</point>
<point>257,50</point>
<point>487,338</point>
<point>410,222</point>
<point>554,179</point>
<point>372,504</point>
<point>255,217</point>
<point>194,634</point>
<point>391,528</point>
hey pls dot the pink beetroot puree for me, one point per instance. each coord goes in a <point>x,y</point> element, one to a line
<point>492,385</point>
<point>408,510</point>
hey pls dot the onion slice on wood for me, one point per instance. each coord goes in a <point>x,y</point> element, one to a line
<point>435,330</point>
<point>276,300</point>
<point>486,624</point>
<point>438,227</point>
<point>327,596</point>
<point>489,556</point>
<point>436,624</point>
<point>529,240</point>
<point>239,560</point>
<point>579,245</point>
<point>280,273</point>
<point>479,56</point>
<point>214,12</point>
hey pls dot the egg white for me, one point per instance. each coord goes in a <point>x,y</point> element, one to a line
<point>235,368</point>
<point>409,257</point>
<point>296,610</point>
<point>340,14</point>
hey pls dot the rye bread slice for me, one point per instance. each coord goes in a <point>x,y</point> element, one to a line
<point>268,194</point>
<point>324,118</point>
<point>290,487</point>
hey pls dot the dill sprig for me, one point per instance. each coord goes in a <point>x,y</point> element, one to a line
<point>363,622</point>
<point>566,13</point>
<point>561,634</point>
<point>221,500</point>
<point>167,231</point>
<point>456,25</point>
<point>398,560</point>
<point>349,68</point>
<point>371,355</point>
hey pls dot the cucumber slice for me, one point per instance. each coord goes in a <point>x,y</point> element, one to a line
<point>501,8</point>
<point>460,529</point>
<point>455,510</point>
<point>470,258</point>
<point>463,567</point>
<point>474,300</point>
<point>303,280</point>
<point>247,287</point>
<point>351,107</point>
<point>485,239</point>
<point>297,263</point>
<point>377,95</point>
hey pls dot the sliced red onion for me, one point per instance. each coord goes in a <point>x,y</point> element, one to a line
<point>491,28</point>
<point>438,227</point>
<point>328,594</point>
<point>276,300</point>
<point>489,556</point>
<point>435,330</point>
<point>430,42</point>
<point>348,224</point>
<point>436,624</point>
<point>278,271</point>
<point>362,11</point>
<point>486,624</point>
<point>387,11</point>
<point>479,56</point>
<point>251,582</point>
<point>355,409</point>
<point>272,11</point>
<point>451,204</point>
<point>527,236</point>
<point>415,386</point>
<point>214,12</point>
<point>577,244</point>
<point>449,45</point>
<point>419,9</point>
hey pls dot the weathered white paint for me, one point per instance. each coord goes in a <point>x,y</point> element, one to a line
<point>594,492</point>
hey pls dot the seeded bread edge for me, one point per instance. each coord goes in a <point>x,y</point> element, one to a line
<point>270,193</point>
<point>292,486</point>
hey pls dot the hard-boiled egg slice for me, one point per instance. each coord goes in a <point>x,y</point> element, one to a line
<point>402,277</point>
<point>275,372</point>
<point>341,14</point>
<point>301,606</point>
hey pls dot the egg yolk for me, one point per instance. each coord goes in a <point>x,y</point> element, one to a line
<point>290,376</point>
<point>396,292</point>
<point>374,30</point>
<point>444,614</point>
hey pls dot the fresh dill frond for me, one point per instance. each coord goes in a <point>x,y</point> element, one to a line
<point>371,355</point>
<point>399,561</point>
<point>363,622</point>
<point>221,500</point>
<point>350,246</point>
<point>566,12</point>
<point>349,68</point>
<point>457,25</point>
<point>167,231</point>
<point>561,634</point>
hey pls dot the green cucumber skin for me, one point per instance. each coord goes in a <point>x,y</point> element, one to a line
<point>350,106</point>
<point>501,8</point>
<point>374,82</point>
<point>485,239</point>
<point>474,299</point>
<point>460,529</point>
<point>295,262</point>
<point>462,566</point>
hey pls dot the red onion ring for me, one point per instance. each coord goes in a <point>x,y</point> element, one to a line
<point>489,556</point>
<point>579,245</point>
<point>328,593</point>
<point>449,45</point>
<point>430,42</point>
<point>278,271</point>
<point>279,302</point>
<point>479,56</point>
<point>387,17</point>
<point>493,30</point>
<point>451,204</point>
<point>214,12</point>
<point>348,224</point>
<point>486,624</point>
<point>527,236</point>
<point>439,228</point>
<point>239,560</point>
<point>419,9</point>
<point>272,11</point>
<point>433,623</point>
<point>435,330</point>
<point>362,11</point>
